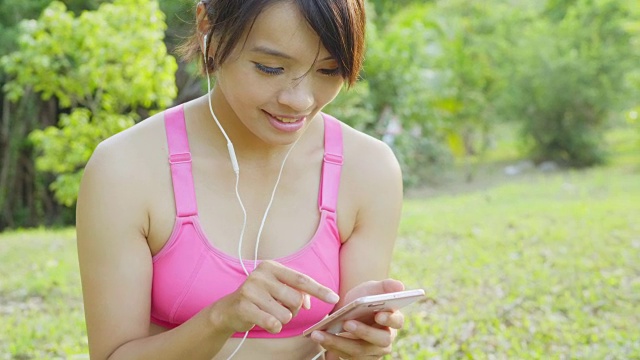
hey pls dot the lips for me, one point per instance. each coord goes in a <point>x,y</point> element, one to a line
<point>287,119</point>
<point>286,123</point>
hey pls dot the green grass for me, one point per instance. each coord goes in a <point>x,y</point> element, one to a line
<point>546,268</point>
<point>540,266</point>
<point>40,296</point>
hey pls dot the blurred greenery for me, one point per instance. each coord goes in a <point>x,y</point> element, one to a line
<point>452,72</point>
<point>457,69</point>
<point>26,193</point>
<point>101,76</point>
<point>440,78</point>
<point>569,78</point>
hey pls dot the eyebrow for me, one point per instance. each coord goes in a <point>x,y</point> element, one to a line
<point>269,51</point>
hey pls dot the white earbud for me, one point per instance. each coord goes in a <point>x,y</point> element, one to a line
<point>204,48</point>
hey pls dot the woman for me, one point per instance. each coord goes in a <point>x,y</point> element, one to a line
<point>163,216</point>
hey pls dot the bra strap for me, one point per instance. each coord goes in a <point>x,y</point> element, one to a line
<point>180,162</point>
<point>331,165</point>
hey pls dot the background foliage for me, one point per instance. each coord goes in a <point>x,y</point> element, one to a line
<point>26,197</point>
<point>440,78</point>
<point>99,76</point>
<point>568,79</point>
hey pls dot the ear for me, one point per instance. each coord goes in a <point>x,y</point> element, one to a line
<point>202,20</point>
<point>204,39</point>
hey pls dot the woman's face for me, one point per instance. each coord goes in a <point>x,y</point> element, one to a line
<point>279,79</point>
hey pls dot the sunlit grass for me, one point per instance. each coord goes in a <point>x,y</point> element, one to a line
<point>535,269</point>
<point>624,145</point>
<point>40,296</point>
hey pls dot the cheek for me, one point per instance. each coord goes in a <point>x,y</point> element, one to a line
<point>247,92</point>
<point>329,92</point>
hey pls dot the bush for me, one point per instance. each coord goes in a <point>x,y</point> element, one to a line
<point>567,77</point>
<point>99,77</point>
<point>422,158</point>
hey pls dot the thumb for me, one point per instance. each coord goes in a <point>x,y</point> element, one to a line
<point>377,287</point>
<point>391,285</point>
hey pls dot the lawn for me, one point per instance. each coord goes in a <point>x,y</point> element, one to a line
<point>538,266</point>
<point>40,296</point>
<point>543,268</point>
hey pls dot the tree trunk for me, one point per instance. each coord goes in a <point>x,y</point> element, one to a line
<point>24,196</point>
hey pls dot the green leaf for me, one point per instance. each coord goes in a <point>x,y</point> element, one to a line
<point>102,65</point>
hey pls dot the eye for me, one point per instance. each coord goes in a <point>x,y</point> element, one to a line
<point>331,72</point>
<point>269,70</point>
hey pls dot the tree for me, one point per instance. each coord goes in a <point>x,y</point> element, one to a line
<point>568,77</point>
<point>633,77</point>
<point>102,66</point>
<point>24,198</point>
<point>386,9</point>
<point>434,67</point>
<point>403,82</point>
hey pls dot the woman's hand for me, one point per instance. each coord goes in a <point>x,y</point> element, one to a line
<point>269,298</point>
<point>361,341</point>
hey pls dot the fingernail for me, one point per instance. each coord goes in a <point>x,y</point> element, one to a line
<point>317,336</point>
<point>333,298</point>
<point>383,318</point>
<point>306,301</point>
<point>276,329</point>
<point>350,326</point>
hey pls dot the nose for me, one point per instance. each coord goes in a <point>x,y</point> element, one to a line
<point>298,95</point>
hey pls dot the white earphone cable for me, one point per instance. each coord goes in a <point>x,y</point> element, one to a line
<point>273,194</point>
<point>236,169</point>
<point>319,354</point>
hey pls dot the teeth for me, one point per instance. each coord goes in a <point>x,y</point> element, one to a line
<point>286,120</point>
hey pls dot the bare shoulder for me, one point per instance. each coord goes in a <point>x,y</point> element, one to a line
<point>121,170</point>
<point>131,146</point>
<point>127,158</point>
<point>370,166</point>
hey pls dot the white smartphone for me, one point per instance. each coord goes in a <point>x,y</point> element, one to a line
<point>364,309</point>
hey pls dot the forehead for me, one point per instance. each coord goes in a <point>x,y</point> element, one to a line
<point>282,27</point>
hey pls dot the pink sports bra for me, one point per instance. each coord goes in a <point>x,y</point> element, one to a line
<point>189,273</point>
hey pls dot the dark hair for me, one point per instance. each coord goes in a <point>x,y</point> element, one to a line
<point>340,24</point>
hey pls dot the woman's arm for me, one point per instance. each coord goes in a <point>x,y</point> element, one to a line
<point>116,268</point>
<point>366,254</point>
<point>375,183</point>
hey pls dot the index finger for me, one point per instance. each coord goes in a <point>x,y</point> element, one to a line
<point>304,283</point>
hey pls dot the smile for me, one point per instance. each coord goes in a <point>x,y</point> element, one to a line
<point>286,124</point>
<point>287,119</point>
